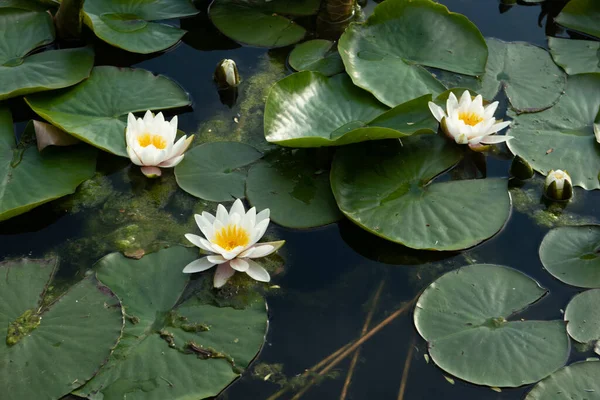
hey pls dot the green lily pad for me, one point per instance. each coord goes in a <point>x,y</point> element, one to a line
<point>583,316</point>
<point>389,190</point>
<point>462,315</point>
<point>212,171</point>
<point>526,73</point>
<point>307,109</point>
<point>578,381</point>
<point>260,23</point>
<point>31,5</point>
<point>294,185</point>
<point>172,350</point>
<point>386,54</point>
<point>562,137</point>
<point>582,16</point>
<point>95,111</point>
<point>127,24</point>
<point>572,255</point>
<point>30,178</point>
<point>51,345</point>
<point>317,55</point>
<point>575,56</point>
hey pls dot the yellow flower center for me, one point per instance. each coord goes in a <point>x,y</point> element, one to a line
<point>231,236</point>
<point>470,118</point>
<point>148,139</point>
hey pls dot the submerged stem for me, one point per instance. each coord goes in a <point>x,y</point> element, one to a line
<point>411,349</point>
<point>69,19</point>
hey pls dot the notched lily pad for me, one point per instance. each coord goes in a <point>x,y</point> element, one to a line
<point>578,381</point>
<point>576,56</point>
<point>318,55</point>
<point>463,315</point>
<point>583,316</point>
<point>52,345</point>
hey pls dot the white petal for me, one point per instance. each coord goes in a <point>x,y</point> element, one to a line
<point>179,147</point>
<point>451,104</point>
<point>222,215</point>
<point>222,275</point>
<point>264,214</point>
<point>250,219</point>
<point>490,110</point>
<point>465,101</point>
<point>262,249</point>
<point>209,217</point>
<point>437,111</point>
<point>256,272</point>
<point>159,119</point>
<point>148,117</point>
<point>198,241</point>
<point>494,139</point>
<point>151,172</point>
<point>173,122</point>
<point>498,127</point>
<point>205,226</point>
<point>133,156</point>
<point>239,264</point>
<point>477,105</point>
<point>237,208</point>
<point>259,230</point>
<point>171,162</point>
<point>199,265</point>
<point>217,259</point>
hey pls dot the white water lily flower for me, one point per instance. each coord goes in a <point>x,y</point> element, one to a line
<point>468,122</point>
<point>558,185</point>
<point>232,238</point>
<point>151,143</point>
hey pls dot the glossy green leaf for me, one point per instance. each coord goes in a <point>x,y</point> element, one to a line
<point>562,137</point>
<point>51,345</point>
<point>576,56</point>
<point>21,32</point>
<point>172,349</point>
<point>95,111</point>
<point>29,178</point>
<point>526,73</point>
<point>386,54</point>
<point>213,171</point>
<point>317,55</point>
<point>582,16</point>
<point>572,255</point>
<point>578,381</point>
<point>583,316</point>
<point>30,5</point>
<point>390,190</point>
<point>307,109</point>
<point>260,23</point>
<point>463,316</point>
<point>127,24</point>
<point>294,185</point>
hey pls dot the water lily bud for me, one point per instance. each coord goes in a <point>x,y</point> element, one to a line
<point>558,185</point>
<point>520,169</point>
<point>226,74</point>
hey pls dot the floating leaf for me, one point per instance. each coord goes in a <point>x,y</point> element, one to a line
<point>578,381</point>
<point>562,137</point>
<point>583,316</point>
<point>386,54</point>
<point>295,187</point>
<point>526,73</point>
<point>575,56</point>
<point>260,23</point>
<point>127,24</point>
<point>317,55</point>
<point>31,5</point>
<point>582,16</point>
<point>463,317</point>
<point>95,111</point>
<point>169,350</point>
<point>387,189</point>
<point>307,109</point>
<point>572,255</point>
<point>52,345</point>
<point>49,135</point>
<point>29,178</point>
<point>212,171</point>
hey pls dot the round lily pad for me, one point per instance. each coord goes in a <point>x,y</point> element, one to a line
<point>526,73</point>
<point>294,185</point>
<point>317,55</point>
<point>463,316</point>
<point>583,316</point>
<point>578,381</point>
<point>582,16</point>
<point>127,24</point>
<point>389,189</point>
<point>562,137</point>
<point>95,111</point>
<point>172,349</point>
<point>308,109</point>
<point>213,171</point>
<point>576,56</point>
<point>386,54</point>
<point>572,255</point>
<point>261,23</point>
<point>29,178</point>
<point>52,345</point>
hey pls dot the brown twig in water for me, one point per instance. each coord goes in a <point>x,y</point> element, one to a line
<point>411,349</point>
<point>354,360</point>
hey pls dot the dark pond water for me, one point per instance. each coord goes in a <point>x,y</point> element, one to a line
<point>331,273</point>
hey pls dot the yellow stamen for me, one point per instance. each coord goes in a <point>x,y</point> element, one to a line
<point>470,118</point>
<point>231,236</point>
<point>148,139</point>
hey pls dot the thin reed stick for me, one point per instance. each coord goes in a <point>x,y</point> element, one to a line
<point>409,356</point>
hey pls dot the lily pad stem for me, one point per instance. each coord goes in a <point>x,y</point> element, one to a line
<point>69,19</point>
